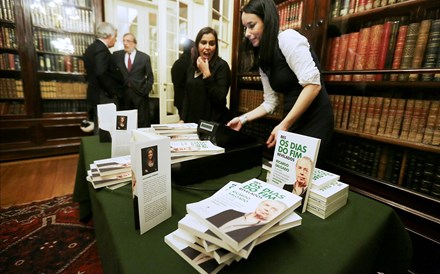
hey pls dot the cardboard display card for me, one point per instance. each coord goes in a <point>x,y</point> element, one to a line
<point>151,179</point>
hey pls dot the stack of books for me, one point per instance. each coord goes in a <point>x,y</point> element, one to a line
<point>327,199</point>
<point>111,172</point>
<point>227,226</point>
<point>185,143</point>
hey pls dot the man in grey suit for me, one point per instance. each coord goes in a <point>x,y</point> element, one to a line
<point>137,73</point>
<point>103,76</point>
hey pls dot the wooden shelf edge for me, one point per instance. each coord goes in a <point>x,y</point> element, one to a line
<point>390,140</point>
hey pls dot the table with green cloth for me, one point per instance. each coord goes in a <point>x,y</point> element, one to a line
<point>364,236</point>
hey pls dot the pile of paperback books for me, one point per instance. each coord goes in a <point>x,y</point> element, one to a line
<point>111,173</point>
<point>226,226</point>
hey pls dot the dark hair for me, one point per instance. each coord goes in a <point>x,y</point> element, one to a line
<point>203,31</point>
<point>187,45</point>
<point>268,13</point>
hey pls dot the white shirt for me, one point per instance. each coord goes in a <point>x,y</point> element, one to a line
<point>296,50</point>
<point>132,56</point>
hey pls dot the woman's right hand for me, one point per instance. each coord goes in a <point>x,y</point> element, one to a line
<point>235,124</point>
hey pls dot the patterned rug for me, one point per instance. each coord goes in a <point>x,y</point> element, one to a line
<point>47,237</point>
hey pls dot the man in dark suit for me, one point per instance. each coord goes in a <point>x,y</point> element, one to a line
<point>136,70</point>
<point>102,75</point>
<point>178,73</point>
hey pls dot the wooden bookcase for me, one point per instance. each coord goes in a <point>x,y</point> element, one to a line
<point>408,167</point>
<point>42,102</point>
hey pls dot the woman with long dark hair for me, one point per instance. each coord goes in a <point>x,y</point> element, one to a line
<point>289,66</point>
<point>208,82</point>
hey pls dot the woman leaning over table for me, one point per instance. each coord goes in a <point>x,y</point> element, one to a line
<point>208,81</point>
<point>287,65</point>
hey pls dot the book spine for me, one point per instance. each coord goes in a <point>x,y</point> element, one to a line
<point>369,115</point>
<point>351,55</point>
<point>432,47</point>
<point>340,111</point>
<point>363,113</point>
<point>408,50</point>
<point>399,117</point>
<point>423,120</point>
<point>407,118</point>
<point>334,54</point>
<point>384,44</point>
<point>398,53</point>
<point>391,48</point>
<point>359,62</point>
<point>383,116</point>
<point>373,50</point>
<point>347,111</point>
<point>341,57</point>
<point>376,115</point>
<point>433,115</point>
<point>351,117</point>
<point>420,46</point>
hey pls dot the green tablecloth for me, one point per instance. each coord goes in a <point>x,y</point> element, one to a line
<point>363,237</point>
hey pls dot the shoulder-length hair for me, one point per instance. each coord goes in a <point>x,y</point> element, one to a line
<point>267,12</point>
<point>205,30</point>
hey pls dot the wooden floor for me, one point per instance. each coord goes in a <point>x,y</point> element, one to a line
<point>38,179</point>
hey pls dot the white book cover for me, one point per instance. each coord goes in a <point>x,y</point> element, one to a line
<point>184,137</point>
<point>113,165</point>
<point>178,128</point>
<point>331,205</point>
<point>104,181</point>
<point>323,214</point>
<point>331,190</point>
<point>190,240</point>
<point>290,221</point>
<point>185,148</point>
<point>210,241</point>
<point>293,163</point>
<point>123,125</point>
<point>106,114</point>
<point>322,178</point>
<point>151,177</point>
<point>240,214</point>
<point>199,261</point>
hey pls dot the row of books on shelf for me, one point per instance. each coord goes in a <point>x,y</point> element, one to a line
<point>7,10</point>
<point>395,44</point>
<point>68,105</point>
<point>63,90</point>
<point>8,37</point>
<point>11,88</point>
<point>9,61</point>
<point>67,19</point>
<point>252,98</point>
<point>346,7</point>
<point>61,63</point>
<point>66,43</point>
<point>415,120</point>
<point>290,13</point>
<point>12,108</point>
<point>418,171</point>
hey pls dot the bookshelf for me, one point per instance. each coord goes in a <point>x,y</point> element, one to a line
<point>42,75</point>
<point>386,141</point>
<point>398,164</point>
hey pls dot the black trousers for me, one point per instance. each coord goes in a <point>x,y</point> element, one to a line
<point>132,100</point>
